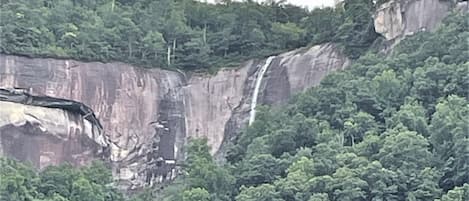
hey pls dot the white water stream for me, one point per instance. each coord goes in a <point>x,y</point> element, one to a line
<point>252,113</point>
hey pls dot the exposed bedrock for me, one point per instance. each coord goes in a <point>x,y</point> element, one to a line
<point>47,131</point>
<point>398,18</point>
<point>288,74</point>
<point>147,115</point>
<point>126,100</point>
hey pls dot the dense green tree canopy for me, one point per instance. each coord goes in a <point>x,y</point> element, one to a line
<point>188,34</point>
<point>19,182</point>
<point>388,128</point>
<point>391,127</point>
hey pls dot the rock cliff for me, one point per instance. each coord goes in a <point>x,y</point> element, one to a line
<point>148,114</point>
<point>130,102</point>
<point>48,131</point>
<point>397,18</point>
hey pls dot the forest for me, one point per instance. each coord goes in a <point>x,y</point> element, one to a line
<point>183,34</point>
<point>385,129</point>
<point>388,128</point>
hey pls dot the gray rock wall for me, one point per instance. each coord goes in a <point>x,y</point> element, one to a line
<point>148,115</point>
<point>48,136</point>
<point>397,18</point>
<point>125,99</point>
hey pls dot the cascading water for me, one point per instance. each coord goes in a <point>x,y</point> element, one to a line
<point>252,114</point>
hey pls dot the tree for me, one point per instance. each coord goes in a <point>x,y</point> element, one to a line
<point>383,183</point>
<point>218,34</point>
<point>295,185</point>
<point>457,194</point>
<point>174,30</point>
<point>411,115</point>
<point>56,197</point>
<point>196,194</point>
<point>405,150</point>
<point>203,173</point>
<point>357,126</point>
<point>306,131</point>
<point>357,32</point>
<point>56,183</point>
<point>282,141</point>
<point>436,79</point>
<point>58,180</point>
<point>154,47</point>
<point>287,35</point>
<point>319,197</point>
<point>258,146</point>
<point>97,173</point>
<point>388,90</point>
<point>347,186</point>
<point>321,25</point>
<point>193,54</point>
<point>262,168</point>
<point>264,192</point>
<point>370,147</point>
<point>259,169</point>
<point>18,181</point>
<point>82,189</point>
<point>424,185</point>
<point>324,155</point>
<point>450,139</point>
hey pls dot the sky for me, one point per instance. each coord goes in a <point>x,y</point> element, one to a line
<point>309,3</point>
<point>312,3</point>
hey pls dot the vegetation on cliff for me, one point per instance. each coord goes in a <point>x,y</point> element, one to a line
<point>19,182</point>
<point>195,35</point>
<point>387,128</point>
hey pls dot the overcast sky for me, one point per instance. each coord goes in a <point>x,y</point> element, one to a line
<point>308,3</point>
<point>312,3</point>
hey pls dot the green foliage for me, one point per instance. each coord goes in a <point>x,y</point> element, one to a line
<point>264,192</point>
<point>18,181</point>
<point>319,197</point>
<point>21,182</point>
<point>287,34</point>
<point>186,34</point>
<point>357,32</point>
<point>259,169</point>
<point>202,180</point>
<point>387,128</point>
<point>450,138</point>
<point>456,194</point>
<point>322,24</point>
<point>196,194</point>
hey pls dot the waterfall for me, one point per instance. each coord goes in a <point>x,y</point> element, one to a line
<point>252,113</point>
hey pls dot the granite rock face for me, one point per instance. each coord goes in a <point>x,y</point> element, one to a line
<point>48,131</point>
<point>148,115</point>
<point>462,6</point>
<point>398,18</point>
<point>211,100</point>
<point>126,100</point>
<point>288,74</point>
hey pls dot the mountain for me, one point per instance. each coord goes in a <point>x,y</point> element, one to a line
<point>148,115</point>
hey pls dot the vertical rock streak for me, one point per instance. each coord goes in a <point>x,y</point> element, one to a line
<point>149,114</point>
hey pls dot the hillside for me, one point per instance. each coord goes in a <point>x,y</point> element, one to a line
<point>184,34</point>
<point>375,110</point>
